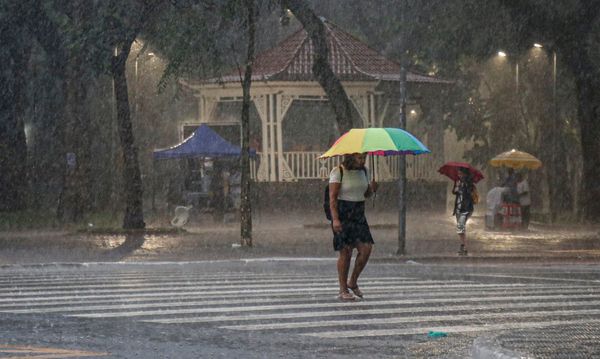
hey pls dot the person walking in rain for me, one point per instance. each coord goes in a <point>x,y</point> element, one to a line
<point>348,188</point>
<point>524,200</point>
<point>511,183</point>
<point>463,206</point>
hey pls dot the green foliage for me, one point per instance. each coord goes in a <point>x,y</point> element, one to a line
<point>200,40</point>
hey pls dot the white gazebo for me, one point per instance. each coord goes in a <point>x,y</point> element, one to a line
<point>282,78</point>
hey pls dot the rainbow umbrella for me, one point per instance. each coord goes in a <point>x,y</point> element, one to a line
<point>378,142</point>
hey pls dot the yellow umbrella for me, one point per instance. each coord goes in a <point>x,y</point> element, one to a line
<point>517,160</point>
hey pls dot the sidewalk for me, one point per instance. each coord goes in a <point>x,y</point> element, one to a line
<point>430,237</point>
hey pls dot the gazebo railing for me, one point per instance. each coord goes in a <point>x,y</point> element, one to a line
<point>306,165</point>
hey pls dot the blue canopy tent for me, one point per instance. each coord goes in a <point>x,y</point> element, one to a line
<point>204,142</point>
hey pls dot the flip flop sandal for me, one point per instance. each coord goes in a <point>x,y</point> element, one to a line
<point>346,297</point>
<point>357,292</point>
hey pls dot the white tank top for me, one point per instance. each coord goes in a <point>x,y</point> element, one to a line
<point>354,184</point>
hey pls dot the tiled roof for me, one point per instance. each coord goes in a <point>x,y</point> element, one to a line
<point>350,58</point>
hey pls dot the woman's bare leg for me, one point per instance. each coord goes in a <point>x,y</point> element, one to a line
<point>343,267</point>
<point>364,252</point>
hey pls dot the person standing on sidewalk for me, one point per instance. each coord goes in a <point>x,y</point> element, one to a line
<point>463,206</point>
<point>524,200</point>
<point>348,188</point>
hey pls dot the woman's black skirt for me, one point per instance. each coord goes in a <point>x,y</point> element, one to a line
<point>354,225</point>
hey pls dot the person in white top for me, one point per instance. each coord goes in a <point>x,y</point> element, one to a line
<point>524,200</point>
<point>348,188</point>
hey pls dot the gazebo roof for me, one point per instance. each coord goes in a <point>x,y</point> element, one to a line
<point>350,59</point>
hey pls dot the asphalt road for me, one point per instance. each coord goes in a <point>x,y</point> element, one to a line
<point>284,308</point>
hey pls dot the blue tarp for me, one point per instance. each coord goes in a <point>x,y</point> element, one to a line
<point>204,142</point>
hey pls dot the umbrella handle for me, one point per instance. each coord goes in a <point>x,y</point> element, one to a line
<point>373,177</point>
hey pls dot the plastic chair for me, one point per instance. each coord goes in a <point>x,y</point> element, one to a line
<point>182,215</point>
<point>511,215</point>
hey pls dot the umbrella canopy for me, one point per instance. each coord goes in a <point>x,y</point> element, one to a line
<point>204,142</point>
<point>451,169</point>
<point>516,159</point>
<point>378,142</point>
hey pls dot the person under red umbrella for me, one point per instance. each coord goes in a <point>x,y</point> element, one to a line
<point>464,176</point>
<point>464,190</point>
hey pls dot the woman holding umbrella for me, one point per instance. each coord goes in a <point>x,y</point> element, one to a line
<point>463,205</point>
<point>348,188</point>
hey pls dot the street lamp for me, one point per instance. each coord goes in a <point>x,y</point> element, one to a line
<point>556,126</point>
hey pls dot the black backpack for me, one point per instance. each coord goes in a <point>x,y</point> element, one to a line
<point>326,203</point>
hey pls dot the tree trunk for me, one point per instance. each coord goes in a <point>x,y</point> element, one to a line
<point>132,181</point>
<point>589,119</point>
<point>13,146</point>
<point>332,86</point>
<point>587,83</point>
<point>245,204</point>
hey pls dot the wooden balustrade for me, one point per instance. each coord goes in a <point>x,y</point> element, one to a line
<point>307,165</point>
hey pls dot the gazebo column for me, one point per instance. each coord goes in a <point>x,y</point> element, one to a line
<point>281,104</point>
<point>264,169</point>
<point>361,104</point>
<point>206,108</point>
<point>271,124</point>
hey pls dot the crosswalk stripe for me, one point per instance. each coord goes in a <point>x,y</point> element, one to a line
<point>138,279</point>
<point>535,278</point>
<point>154,284</point>
<point>163,288</point>
<point>363,312</point>
<point>414,319</point>
<point>379,293</point>
<point>448,329</point>
<point>200,290</point>
<point>145,276</point>
<point>325,305</point>
<point>73,307</point>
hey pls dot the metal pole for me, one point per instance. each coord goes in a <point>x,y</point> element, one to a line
<point>113,144</point>
<point>402,160</point>
<point>555,131</point>
<point>517,75</point>
<point>402,170</point>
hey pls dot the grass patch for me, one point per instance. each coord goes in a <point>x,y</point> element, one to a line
<point>28,219</point>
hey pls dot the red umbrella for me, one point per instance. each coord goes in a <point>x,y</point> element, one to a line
<point>450,169</point>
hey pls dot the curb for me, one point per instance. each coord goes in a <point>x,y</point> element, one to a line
<point>489,348</point>
<point>490,259</point>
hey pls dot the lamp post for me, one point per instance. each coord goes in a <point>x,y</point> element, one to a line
<point>554,103</point>
<point>554,133</point>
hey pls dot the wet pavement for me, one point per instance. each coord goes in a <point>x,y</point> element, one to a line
<point>431,244</point>
<point>288,309</point>
<point>430,237</point>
